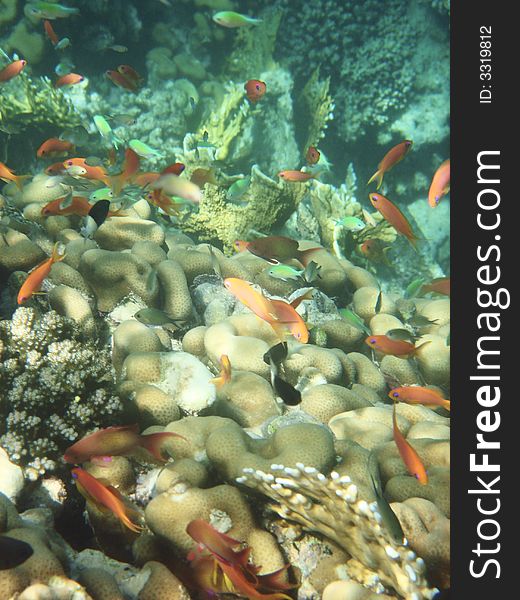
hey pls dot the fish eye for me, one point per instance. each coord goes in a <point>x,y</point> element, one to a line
<point>372,341</point>
<point>395,394</point>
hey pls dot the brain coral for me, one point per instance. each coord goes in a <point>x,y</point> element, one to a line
<point>59,387</point>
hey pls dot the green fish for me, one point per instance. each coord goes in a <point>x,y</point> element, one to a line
<point>143,150</point>
<point>77,135</point>
<point>64,67</point>
<point>379,303</point>
<point>237,189</point>
<point>401,335</point>
<point>123,119</point>
<point>62,44</point>
<point>285,272</point>
<point>390,520</point>
<point>228,18</point>
<point>106,131</point>
<point>420,321</point>
<point>154,316</point>
<point>48,10</point>
<point>351,224</point>
<point>102,194</point>
<point>352,319</point>
<point>312,272</point>
<point>414,287</point>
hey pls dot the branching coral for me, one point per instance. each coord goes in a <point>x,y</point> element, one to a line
<point>58,387</point>
<point>253,48</point>
<point>269,203</point>
<point>318,106</point>
<point>224,124</point>
<point>33,102</point>
<point>329,505</point>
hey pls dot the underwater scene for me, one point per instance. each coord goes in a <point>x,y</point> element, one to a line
<point>224,299</point>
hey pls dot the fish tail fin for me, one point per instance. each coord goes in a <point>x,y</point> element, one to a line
<point>446,404</point>
<point>153,442</point>
<point>378,177</point>
<point>19,179</point>
<point>305,256</point>
<point>421,345</point>
<point>56,256</point>
<point>218,382</point>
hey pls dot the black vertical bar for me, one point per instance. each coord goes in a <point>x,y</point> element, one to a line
<point>482,123</point>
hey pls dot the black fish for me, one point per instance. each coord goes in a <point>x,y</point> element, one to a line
<point>379,303</point>
<point>289,394</point>
<point>99,211</point>
<point>276,353</point>
<point>13,552</point>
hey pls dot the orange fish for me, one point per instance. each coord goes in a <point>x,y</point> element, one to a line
<point>240,245</point>
<point>255,89</point>
<point>312,156</point>
<point>55,169</point>
<point>177,168</point>
<point>202,176</point>
<point>296,176</point>
<point>289,321</point>
<point>164,202</point>
<point>441,285</point>
<point>225,372</point>
<point>130,74</point>
<point>375,251</point>
<point>34,280</point>
<point>386,345</point>
<point>229,571</point>
<point>7,175</point>
<point>255,301</point>
<point>49,31</point>
<point>121,81</point>
<point>276,248</point>
<point>12,70</point>
<point>130,168</point>
<point>54,147</point>
<point>85,170</point>
<point>440,184</point>
<point>408,454</point>
<point>394,216</point>
<point>116,441</point>
<point>415,394</point>
<point>391,158</point>
<point>69,79</point>
<point>144,179</point>
<point>79,205</point>
<point>105,497</point>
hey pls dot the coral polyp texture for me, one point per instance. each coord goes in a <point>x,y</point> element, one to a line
<point>218,345</point>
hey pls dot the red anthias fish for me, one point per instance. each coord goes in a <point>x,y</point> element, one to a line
<point>440,184</point>
<point>69,79</point>
<point>386,345</point>
<point>220,569</point>
<point>391,158</point>
<point>122,81</point>
<point>34,281</point>
<point>313,155</point>
<point>116,441</point>
<point>416,394</point>
<point>276,248</point>
<point>394,216</point>
<point>408,454</point>
<point>255,89</point>
<point>12,70</point>
<point>441,285</point>
<point>106,497</point>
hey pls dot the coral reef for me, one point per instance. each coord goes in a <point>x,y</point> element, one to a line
<point>58,387</point>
